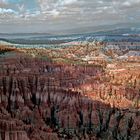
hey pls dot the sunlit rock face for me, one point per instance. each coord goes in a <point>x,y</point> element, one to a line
<point>43,99</point>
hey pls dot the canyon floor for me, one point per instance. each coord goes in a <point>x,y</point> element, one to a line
<point>85,92</point>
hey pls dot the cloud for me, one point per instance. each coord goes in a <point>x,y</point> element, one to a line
<point>129,3</point>
<point>69,13</point>
<point>21,7</point>
<point>54,13</point>
<point>7,11</point>
<point>126,3</point>
<point>3,1</point>
<point>69,8</point>
<point>66,2</point>
<point>47,5</point>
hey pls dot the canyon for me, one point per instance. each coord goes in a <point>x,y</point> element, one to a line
<point>85,92</point>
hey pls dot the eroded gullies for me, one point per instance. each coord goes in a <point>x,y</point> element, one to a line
<point>88,91</point>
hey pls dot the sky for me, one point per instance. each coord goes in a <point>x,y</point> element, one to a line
<point>53,16</point>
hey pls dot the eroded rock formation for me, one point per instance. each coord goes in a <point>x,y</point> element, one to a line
<point>42,100</point>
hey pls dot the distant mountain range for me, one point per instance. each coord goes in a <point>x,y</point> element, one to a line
<point>121,31</point>
<point>118,34</point>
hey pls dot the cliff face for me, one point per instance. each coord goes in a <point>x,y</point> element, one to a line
<point>42,100</point>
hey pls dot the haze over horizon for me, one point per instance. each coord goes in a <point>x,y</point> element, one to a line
<point>64,16</point>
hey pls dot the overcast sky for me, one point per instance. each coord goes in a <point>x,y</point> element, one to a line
<point>51,16</point>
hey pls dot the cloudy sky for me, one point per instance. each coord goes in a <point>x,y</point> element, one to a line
<point>65,15</point>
